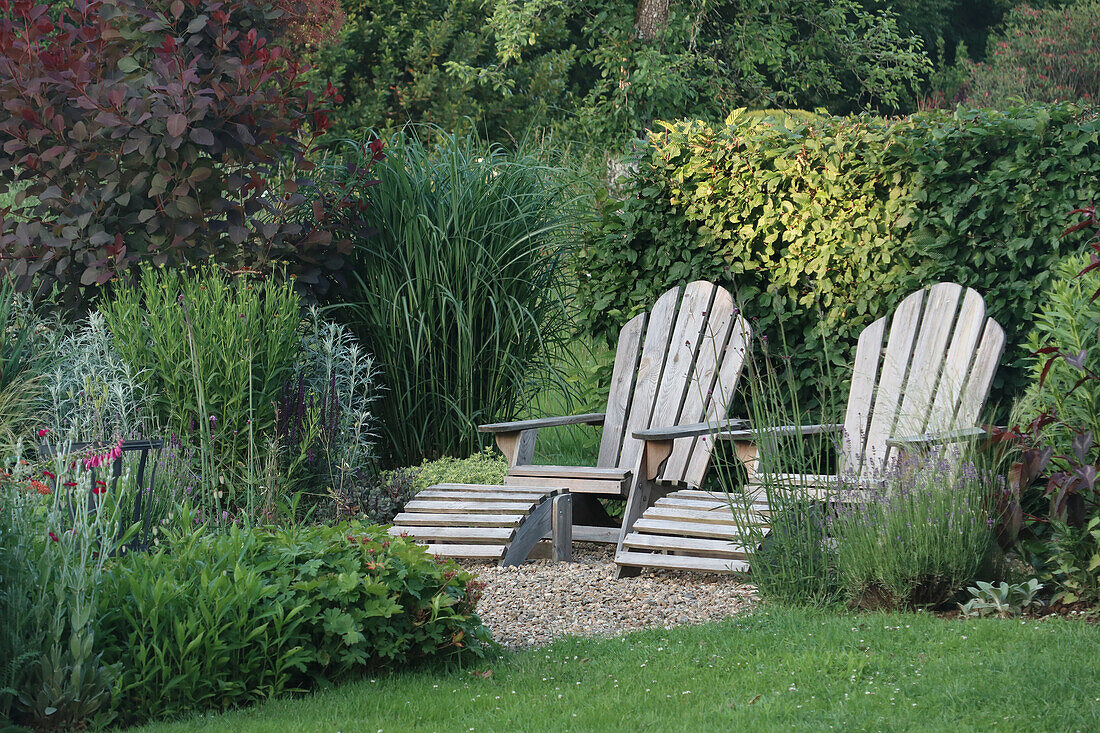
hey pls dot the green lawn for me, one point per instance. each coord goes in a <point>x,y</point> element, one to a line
<point>775,670</point>
<point>571,445</point>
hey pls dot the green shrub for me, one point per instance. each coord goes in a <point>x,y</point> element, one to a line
<point>215,350</point>
<point>1067,320</point>
<point>393,66</point>
<point>1058,421</point>
<point>219,620</point>
<point>917,539</point>
<point>459,295</point>
<point>823,225</point>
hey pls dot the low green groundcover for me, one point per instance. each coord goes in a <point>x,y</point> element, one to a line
<point>776,669</point>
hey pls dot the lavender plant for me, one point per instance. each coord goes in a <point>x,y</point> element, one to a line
<point>324,418</point>
<point>916,538</point>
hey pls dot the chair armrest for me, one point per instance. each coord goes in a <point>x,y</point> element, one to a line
<point>688,431</point>
<point>592,418</point>
<point>941,438</point>
<point>780,431</point>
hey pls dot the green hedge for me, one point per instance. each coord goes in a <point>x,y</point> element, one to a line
<point>823,225</point>
<point>217,621</point>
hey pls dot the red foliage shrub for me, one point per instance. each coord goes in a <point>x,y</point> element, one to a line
<point>312,22</point>
<point>1044,55</point>
<point>169,130</point>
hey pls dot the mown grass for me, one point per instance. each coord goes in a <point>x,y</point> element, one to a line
<point>775,670</point>
<point>575,391</point>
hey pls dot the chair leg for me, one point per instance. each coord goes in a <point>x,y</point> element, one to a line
<point>561,527</point>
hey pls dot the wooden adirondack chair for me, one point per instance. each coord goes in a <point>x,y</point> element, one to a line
<point>923,381</point>
<point>676,365</point>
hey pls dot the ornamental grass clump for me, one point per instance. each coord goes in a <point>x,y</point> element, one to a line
<point>918,537</point>
<point>790,553</point>
<point>460,294</point>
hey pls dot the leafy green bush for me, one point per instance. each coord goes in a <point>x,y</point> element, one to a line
<point>583,72</point>
<point>459,295</point>
<point>823,225</point>
<point>917,539</point>
<point>393,66</point>
<point>213,621</point>
<point>1056,424</point>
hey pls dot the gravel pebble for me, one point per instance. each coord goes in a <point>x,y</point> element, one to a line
<point>541,600</point>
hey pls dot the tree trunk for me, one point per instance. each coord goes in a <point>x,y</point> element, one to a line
<point>651,19</point>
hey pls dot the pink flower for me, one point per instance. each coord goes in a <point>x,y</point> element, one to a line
<point>43,432</point>
<point>54,537</point>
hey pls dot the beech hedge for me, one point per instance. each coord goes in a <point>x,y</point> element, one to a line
<point>823,224</point>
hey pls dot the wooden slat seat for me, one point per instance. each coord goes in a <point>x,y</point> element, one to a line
<point>462,488</point>
<point>491,495</point>
<point>458,506</point>
<point>413,519</point>
<point>470,552</point>
<point>479,535</point>
<point>577,485</point>
<point>470,521</point>
<point>694,545</point>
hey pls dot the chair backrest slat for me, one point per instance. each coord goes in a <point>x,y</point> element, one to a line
<point>691,322</point>
<point>891,382</point>
<point>956,369</point>
<point>933,372</point>
<point>926,365</point>
<point>623,377</point>
<point>865,372</point>
<point>710,389</point>
<point>662,319</point>
<point>678,365</point>
<point>982,372</point>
